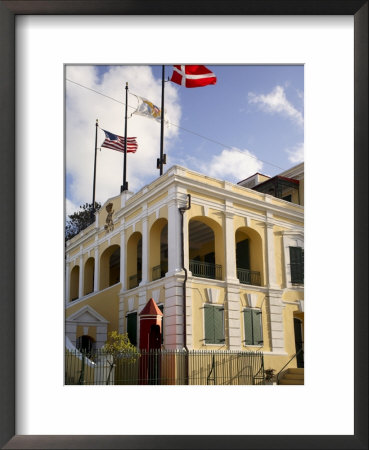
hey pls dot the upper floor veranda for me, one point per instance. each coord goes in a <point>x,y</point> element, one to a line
<point>229,234</point>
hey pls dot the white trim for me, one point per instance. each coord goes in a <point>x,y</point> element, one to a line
<point>290,239</point>
<point>213,295</point>
<point>73,318</point>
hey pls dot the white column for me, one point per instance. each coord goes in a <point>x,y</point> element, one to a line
<point>145,256</point>
<point>123,260</point>
<point>174,313</point>
<point>81,277</point>
<point>174,238</point>
<point>232,308</point>
<point>276,321</point>
<point>67,282</point>
<point>270,256</point>
<point>96,270</point>
<point>185,243</point>
<point>230,249</point>
<point>142,300</point>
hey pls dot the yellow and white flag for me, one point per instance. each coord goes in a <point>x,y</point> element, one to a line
<point>148,109</point>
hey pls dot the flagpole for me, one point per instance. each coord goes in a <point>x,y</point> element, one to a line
<point>94,183</point>
<point>125,183</point>
<point>162,159</point>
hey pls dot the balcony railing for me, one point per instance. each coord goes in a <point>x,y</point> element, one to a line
<point>134,280</point>
<point>206,270</point>
<point>159,271</point>
<point>249,277</point>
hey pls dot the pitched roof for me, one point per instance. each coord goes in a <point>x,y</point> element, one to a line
<point>151,309</point>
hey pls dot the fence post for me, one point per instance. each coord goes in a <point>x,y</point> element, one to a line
<point>82,376</point>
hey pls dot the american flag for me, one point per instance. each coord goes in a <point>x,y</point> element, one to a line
<point>116,142</point>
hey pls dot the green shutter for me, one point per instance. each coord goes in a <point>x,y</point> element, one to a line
<point>218,325</point>
<point>253,327</point>
<point>257,327</point>
<point>214,329</point>
<point>132,328</point>
<point>297,264</point>
<point>248,327</point>
<point>209,324</point>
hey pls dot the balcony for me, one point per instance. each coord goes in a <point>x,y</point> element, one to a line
<point>206,270</point>
<point>159,271</point>
<point>249,277</point>
<point>134,280</point>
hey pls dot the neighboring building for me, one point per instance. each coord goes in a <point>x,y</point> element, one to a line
<point>288,185</point>
<point>243,260</point>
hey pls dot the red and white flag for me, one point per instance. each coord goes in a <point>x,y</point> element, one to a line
<point>193,76</point>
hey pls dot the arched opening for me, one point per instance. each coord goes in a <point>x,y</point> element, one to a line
<point>74,283</point>
<point>85,344</point>
<point>89,276</point>
<point>205,248</point>
<point>159,249</point>
<point>110,267</point>
<point>249,260</point>
<point>134,260</point>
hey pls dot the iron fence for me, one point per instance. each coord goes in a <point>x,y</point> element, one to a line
<point>249,277</point>
<point>205,269</point>
<point>164,367</point>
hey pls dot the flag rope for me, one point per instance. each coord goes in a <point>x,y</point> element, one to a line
<point>184,129</point>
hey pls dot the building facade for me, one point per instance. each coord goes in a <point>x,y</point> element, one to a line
<point>233,253</point>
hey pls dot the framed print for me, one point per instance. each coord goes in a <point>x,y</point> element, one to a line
<point>39,41</point>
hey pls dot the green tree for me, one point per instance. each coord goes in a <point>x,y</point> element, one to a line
<point>80,220</point>
<point>119,344</point>
<point>121,351</point>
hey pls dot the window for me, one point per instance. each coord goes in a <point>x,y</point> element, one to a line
<point>297,265</point>
<point>287,198</point>
<point>132,327</point>
<point>214,329</point>
<point>253,327</point>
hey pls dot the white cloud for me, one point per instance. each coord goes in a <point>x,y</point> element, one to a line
<point>276,102</point>
<point>83,107</point>
<point>296,154</point>
<point>70,207</point>
<point>232,165</point>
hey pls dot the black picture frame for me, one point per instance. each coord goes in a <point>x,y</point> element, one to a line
<point>8,11</point>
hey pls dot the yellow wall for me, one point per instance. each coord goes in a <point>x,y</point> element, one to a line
<point>89,276</point>
<point>105,303</point>
<point>102,214</point>
<point>157,199</point>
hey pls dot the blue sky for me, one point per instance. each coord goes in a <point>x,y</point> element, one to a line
<point>251,120</point>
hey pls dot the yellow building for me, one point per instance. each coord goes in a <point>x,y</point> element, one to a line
<point>234,253</point>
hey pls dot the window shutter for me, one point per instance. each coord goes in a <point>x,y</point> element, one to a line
<point>132,328</point>
<point>248,327</point>
<point>297,264</point>
<point>218,325</point>
<point>257,327</point>
<point>209,324</point>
